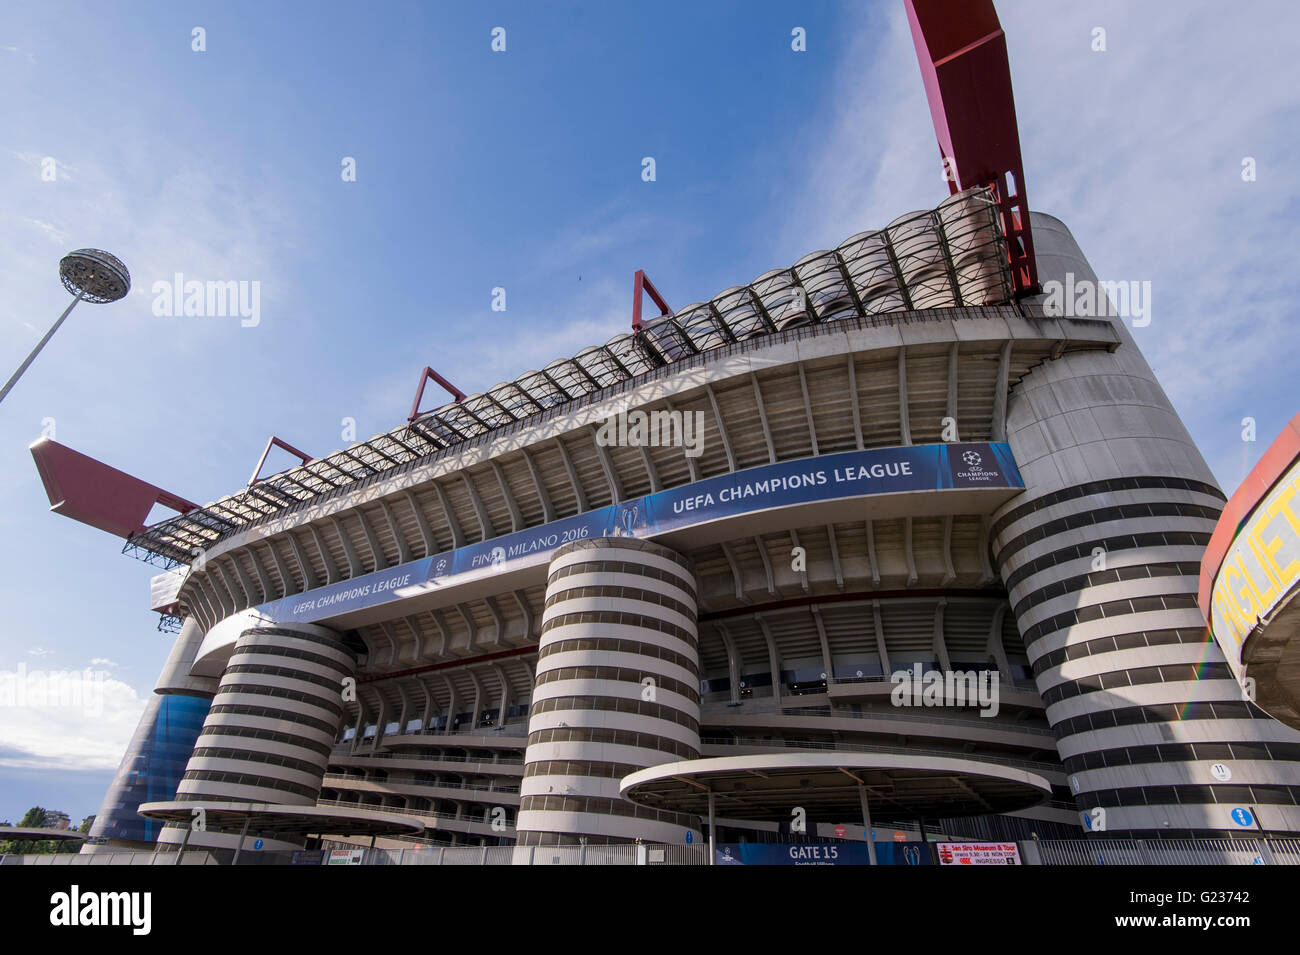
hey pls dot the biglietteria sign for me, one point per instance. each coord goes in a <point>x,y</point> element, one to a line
<point>930,467</point>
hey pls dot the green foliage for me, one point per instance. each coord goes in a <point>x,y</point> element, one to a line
<point>34,818</point>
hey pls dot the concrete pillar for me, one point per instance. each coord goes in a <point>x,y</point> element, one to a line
<point>273,721</point>
<point>1100,556</point>
<point>617,690</point>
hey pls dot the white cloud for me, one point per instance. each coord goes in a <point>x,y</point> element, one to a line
<point>77,719</point>
<point>50,231</point>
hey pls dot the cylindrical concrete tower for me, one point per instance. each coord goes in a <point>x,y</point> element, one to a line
<point>276,714</point>
<point>617,690</point>
<point>267,737</point>
<point>1100,556</point>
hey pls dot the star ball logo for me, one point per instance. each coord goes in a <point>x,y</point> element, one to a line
<point>975,471</point>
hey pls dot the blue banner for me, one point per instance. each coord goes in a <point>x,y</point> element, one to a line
<point>851,474</point>
<point>823,853</point>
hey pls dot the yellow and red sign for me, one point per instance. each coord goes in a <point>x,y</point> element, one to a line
<point>1253,560</point>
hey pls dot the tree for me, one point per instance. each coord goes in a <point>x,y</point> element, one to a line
<point>34,818</point>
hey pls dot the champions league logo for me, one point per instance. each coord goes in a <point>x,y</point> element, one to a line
<point>975,471</point>
<point>497,556</point>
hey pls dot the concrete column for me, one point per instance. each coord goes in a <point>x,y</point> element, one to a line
<point>866,825</point>
<point>1100,556</point>
<point>273,721</point>
<point>617,690</point>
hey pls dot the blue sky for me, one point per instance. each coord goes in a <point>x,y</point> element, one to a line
<point>522,169</point>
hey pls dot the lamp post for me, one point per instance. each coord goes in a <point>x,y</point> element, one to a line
<point>91,275</point>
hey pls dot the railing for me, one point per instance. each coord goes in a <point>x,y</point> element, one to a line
<point>426,813</point>
<point>495,727</point>
<point>345,777</point>
<point>540,855</point>
<point>125,857</point>
<point>1003,681</point>
<point>423,758</point>
<point>1059,852</point>
<point>1269,851</point>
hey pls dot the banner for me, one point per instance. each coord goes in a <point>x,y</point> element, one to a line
<point>851,474</point>
<point>821,853</point>
<point>978,853</point>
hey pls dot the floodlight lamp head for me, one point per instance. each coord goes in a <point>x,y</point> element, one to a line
<point>96,275</point>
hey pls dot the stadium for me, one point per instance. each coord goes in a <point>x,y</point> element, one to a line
<point>884,539</point>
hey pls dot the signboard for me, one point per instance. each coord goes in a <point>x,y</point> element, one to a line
<point>308,857</point>
<point>821,853</point>
<point>978,853</point>
<point>1243,817</point>
<point>927,467</point>
<point>1260,568</point>
<point>345,857</point>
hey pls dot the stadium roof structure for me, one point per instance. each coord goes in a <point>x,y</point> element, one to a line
<point>830,786</point>
<point>952,256</point>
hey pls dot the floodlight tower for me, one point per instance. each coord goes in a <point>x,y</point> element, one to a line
<point>93,275</point>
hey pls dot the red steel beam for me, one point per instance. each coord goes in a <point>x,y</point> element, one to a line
<point>428,373</point>
<point>963,55</point>
<point>276,443</point>
<point>642,286</point>
<point>93,493</point>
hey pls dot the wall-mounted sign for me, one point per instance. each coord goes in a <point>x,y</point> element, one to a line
<point>978,853</point>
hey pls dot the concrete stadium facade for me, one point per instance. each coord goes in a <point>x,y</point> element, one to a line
<point>350,663</point>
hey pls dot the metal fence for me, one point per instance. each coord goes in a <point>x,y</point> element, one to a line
<point>1162,852</point>
<point>191,857</point>
<point>1051,852</point>
<point>542,855</point>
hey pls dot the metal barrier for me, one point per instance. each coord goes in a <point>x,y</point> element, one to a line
<point>1162,852</point>
<point>191,857</point>
<point>538,855</point>
<point>1057,852</point>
